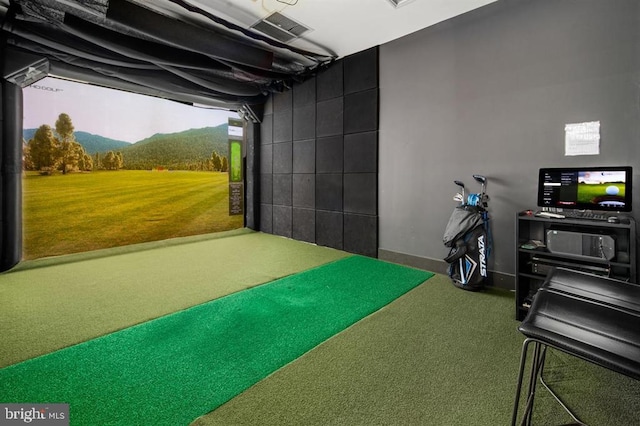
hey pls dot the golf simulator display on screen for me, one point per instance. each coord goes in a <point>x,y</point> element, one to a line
<point>589,188</point>
<point>125,169</point>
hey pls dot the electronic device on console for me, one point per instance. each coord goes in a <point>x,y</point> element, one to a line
<point>587,192</point>
<point>581,244</point>
<point>543,265</point>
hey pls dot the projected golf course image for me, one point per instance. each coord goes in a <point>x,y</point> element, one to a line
<point>106,168</point>
<point>87,211</point>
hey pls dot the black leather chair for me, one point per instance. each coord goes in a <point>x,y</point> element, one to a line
<point>593,318</point>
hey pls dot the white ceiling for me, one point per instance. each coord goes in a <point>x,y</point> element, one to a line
<point>343,27</point>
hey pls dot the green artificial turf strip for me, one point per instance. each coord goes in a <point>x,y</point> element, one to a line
<point>49,304</point>
<point>437,355</point>
<point>175,368</point>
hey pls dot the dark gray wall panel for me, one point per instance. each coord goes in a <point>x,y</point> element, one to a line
<point>330,82</point>
<point>490,93</point>
<point>304,120</point>
<point>268,106</point>
<point>282,101</point>
<point>304,190</point>
<point>312,121</point>
<point>283,157</point>
<point>329,229</point>
<point>266,188</point>
<point>266,158</point>
<point>304,156</point>
<point>329,192</point>
<point>361,152</point>
<point>304,93</point>
<point>282,190</point>
<point>282,221</point>
<point>360,193</point>
<point>304,225</point>
<point>266,129</point>
<point>361,71</point>
<point>330,154</point>
<point>282,126</point>
<point>252,176</point>
<point>266,218</point>
<point>361,111</point>
<point>360,234</point>
<point>329,118</point>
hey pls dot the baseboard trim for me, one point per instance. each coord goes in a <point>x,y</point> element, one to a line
<point>496,279</point>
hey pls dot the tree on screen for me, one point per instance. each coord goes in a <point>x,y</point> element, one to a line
<point>85,163</point>
<point>112,160</point>
<point>42,150</point>
<point>70,151</point>
<point>51,150</point>
<point>217,161</point>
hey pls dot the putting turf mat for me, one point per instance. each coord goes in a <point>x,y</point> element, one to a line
<point>173,369</point>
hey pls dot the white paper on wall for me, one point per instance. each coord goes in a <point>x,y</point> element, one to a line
<point>582,138</point>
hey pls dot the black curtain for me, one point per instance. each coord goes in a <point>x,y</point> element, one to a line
<point>121,44</point>
<point>11,176</point>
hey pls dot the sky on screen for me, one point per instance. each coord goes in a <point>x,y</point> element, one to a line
<point>111,113</point>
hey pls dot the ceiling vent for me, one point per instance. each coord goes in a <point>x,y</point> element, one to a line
<point>280,27</point>
<point>398,3</point>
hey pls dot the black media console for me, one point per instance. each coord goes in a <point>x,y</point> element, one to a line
<point>598,247</point>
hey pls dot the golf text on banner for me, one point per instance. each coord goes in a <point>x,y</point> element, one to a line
<point>236,181</point>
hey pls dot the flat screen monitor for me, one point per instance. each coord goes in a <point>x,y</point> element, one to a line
<point>588,188</point>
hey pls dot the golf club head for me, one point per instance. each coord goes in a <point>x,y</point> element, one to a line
<point>461,185</point>
<point>480,179</point>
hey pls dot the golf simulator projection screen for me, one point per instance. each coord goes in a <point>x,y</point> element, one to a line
<point>106,168</point>
<point>589,188</point>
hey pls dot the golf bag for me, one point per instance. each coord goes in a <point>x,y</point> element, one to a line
<point>469,238</point>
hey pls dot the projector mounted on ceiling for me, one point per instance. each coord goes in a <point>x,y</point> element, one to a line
<point>24,69</point>
<point>398,3</point>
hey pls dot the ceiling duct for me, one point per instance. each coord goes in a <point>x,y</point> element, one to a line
<point>280,27</point>
<point>398,3</point>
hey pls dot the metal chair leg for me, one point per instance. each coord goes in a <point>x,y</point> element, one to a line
<point>536,372</point>
<point>523,360</point>
<point>536,367</point>
<point>557,398</point>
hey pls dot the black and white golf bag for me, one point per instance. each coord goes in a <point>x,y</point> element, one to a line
<point>469,238</point>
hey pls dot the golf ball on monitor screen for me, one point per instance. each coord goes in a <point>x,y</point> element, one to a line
<point>612,190</point>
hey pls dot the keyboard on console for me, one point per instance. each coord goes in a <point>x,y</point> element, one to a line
<point>584,214</point>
